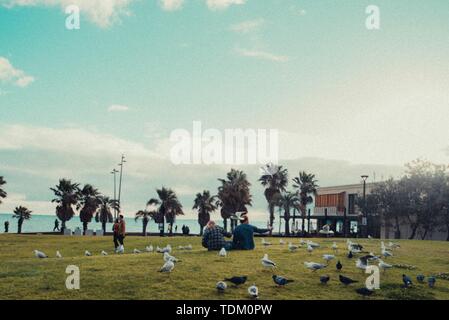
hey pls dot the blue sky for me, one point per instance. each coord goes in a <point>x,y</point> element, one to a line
<point>350,98</point>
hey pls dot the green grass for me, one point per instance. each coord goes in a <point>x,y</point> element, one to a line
<point>135,276</point>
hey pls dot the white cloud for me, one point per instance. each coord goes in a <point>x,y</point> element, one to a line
<point>247,26</point>
<point>117,108</point>
<point>261,55</point>
<point>171,5</point>
<point>9,74</point>
<point>101,12</point>
<point>223,4</point>
<point>14,200</point>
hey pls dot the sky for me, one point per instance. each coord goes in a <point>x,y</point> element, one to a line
<point>346,100</point>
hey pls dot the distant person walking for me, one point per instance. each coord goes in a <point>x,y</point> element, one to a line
<point>121,231</point>
<point>115,227</point>
<point>56,228</point>
<point>243,236</point>
<point>176,228</point>
<point>6,226</point>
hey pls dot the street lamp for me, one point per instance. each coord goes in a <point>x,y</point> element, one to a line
<point>364,219</point>
<point>120,180</point>
<point>114,172</point>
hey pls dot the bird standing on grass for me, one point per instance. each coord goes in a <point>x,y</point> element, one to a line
<point>350,255</point>
<point>407,281</point>
<point>237,280</point>
<point>222,252</point>
<point>40,254</point>
<point>149,248</point>
<point>104,253</point>
<point>339,266</point>
<point>324,279</point>
<point>168,257</point>
<point>58,254</point>
<point>384,266</point>
<point>281,281</point>
<point>314,266</point>
<point>309,249</point>
<point>221,286</point>
<point>267,263</point>
<point>167,267</point>
<point>345,280</point>
<point>87,253</point>
<point>334,246</point>
<point>282,242</point>
<point>420,278</point>
<point>328,257</point>
<point>364,291</point>
<point>292,247</point>
<point>136,251</point>
<point>431,281</point>
<point>253,292</point>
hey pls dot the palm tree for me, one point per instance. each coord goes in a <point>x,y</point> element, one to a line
<point>67,196</point>
<point>169,206</point>
<point>22,214</point>
<point>287,201</point>
<point>89,203</point>
<point>104,214</point>
<point>205,204</point>
<point>275,179</point>
<point>2,192</point>
<point>145,215</point>
<point>307,186</point>
<point>234,195</point>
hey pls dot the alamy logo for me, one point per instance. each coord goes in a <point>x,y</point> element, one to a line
<point>373,281</point>
<point>372,22</point>
<point>72,22</point>
<point>232,146</point>
<point>73,280</point>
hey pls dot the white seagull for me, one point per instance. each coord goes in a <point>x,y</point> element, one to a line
<point>334,246</point>
<point>292,247</point>
<point>384,266</point>
<point>120,249</point>
<point>265,243</point>
<point>361,264</point>
<point>253,291</point>
<point>149,248</point>
<point>40,254</point>
<point>281,241</point>
<point>167,267</point>
<point>222,252</point>
<point>267,263</point>
<point>313,244</point>
<point>136,251</point>
<point>328,257</point>
<point>103,253</point>
<point>309,248</point>
<point>87,253</point>
<point>58,254</point>
<point>168,257</point>
<point>314,266</point>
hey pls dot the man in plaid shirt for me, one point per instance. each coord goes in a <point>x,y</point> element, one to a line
<point>213,237</point>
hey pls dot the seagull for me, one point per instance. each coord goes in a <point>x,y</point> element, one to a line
<point>384,266</point>
<point>188,247</point>
<point>265,243</point>
<point>222,252</point>
<point>393,245</point>
<point>361,263</point>
<point>281,281</point>
<point>313,244</point>
<point>334,247</point>
<point>324,279</point>
<point>104,253</point>
<point>431,281</point>
<point>302,242</point>
<point>149,248</point>
<point>136,251</point>
<point>120,249</point>
<point>420,278</point>
<point>314,266</point>
<point>40,254</point>
<point>58,254</point>
<point>339,266</point>
<point>309,248</point>
<point>267,263</point>
<point>87,253</point>
<point>164,250</point>
<point>221,286</point>
<point>292,247</point>
<point>370,237</point>
<point>168,257</point>
<point>386,253</point>
<point>281,242</point>
<point>167,267</point>
<point>328,257</point>
<point>407,281</point>
<point>253,291</point>
<point>237,280</point>
<point>345,280</point>
<point>364,291</point>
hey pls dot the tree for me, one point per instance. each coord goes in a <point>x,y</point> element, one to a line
<point>205,204</point>
<point>288,201</point>
<point>22,214</point>
<point>104,214</point>
<point>307,186</point>
<point>67,197</point>
<point>169,206</point>
<point>145,215</point>
<point>275,179</point>
<point>234,195</point>
<point>3,193</point>
<point>90,200</point>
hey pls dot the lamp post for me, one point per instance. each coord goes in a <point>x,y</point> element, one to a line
<point>364,221</point>
<point>114,171</point>
<point>120,181</point>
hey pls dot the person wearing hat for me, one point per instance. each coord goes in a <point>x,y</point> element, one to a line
<point>243,235</point>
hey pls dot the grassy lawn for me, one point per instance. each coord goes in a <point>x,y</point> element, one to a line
<point>135,276</point>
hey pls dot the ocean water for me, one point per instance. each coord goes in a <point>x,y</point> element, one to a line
<point>45,223</point>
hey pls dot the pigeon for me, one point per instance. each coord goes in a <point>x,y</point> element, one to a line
<point>339,266</point>
<point>104,253</point>
<point>334,247</point>
<point>345,280</point>
<point>280,281</point>
<point>364,291</point>
<point>253,291</point>
<point>431,281</point>
<point>168,266</point>
<point>136,251</point>
<point>87,253</point>
<point>58,254</point>
<point>407,281</point>
<point>309,248</point>
<point>314,266</point>
<point>292,247</point>
<point>384,266</point>
<point>168,257</point>
<point>149,248</point>
<point>324,279</point>
<point>237,280</point>
<point>350,255</point>
<point>40,254</point>
<point>281,242</point>
<point>265,243</point>
<point>222,252</point>
<point>267,263</point>
<point>221,286</point>
<point>420,278</point>
<point>328,257</point>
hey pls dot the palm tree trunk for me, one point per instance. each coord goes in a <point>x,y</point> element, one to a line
<point>19,226</point>
<point>62,226</point>
<point>201,230</point>
<point>303,225</point>
<point>144,228</point>
<point>225,224</point>
<point>287,227</point>
<point>84,228</point>
<point>103,225</point>
<point>271,209</point>
<point>412,236</point>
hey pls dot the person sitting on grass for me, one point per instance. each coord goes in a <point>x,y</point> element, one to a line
<point>243,236</point>
<point>213,237</point>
